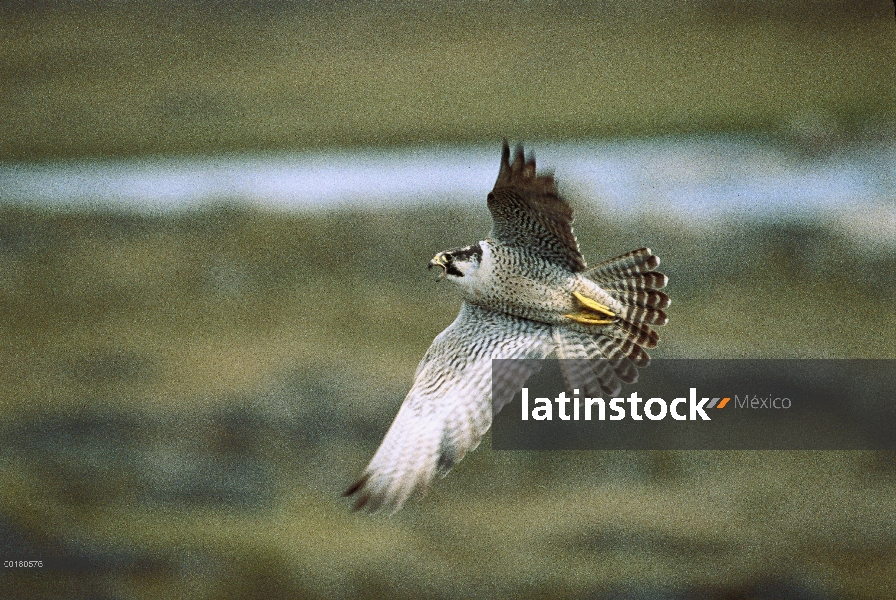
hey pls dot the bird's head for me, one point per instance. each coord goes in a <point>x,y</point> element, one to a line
<point>458,263</point>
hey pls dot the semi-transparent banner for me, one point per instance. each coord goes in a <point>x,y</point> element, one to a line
<point>690,404</point>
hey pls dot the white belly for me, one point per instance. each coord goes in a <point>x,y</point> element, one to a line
<point>522,286</point>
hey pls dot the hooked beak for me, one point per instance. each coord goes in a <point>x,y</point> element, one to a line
<point>439,261</point>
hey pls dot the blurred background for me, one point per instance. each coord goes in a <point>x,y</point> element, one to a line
<point>215,219</point>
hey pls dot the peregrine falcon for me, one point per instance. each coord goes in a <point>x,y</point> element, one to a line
<point>527,293</point>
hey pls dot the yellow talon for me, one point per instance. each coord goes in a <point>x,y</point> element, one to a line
<point>592,305</point>
<point>588,319</point>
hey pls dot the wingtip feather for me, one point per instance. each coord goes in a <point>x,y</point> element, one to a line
<point>354,488</point>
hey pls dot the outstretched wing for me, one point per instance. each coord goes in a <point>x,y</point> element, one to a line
<point>528,212</point>
<point>448,408</point>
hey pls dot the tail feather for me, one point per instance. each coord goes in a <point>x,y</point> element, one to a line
<point>633,281</point>
<point>607,378</point>
<point>619,361</point>
<point>647,316</point>
<point>632,351</point>
<point>625,266</point>
<point>622,366</point>
<point>641,335</point>
<point>636,283</point>
<point>604,376</point>
<point>648,299</point>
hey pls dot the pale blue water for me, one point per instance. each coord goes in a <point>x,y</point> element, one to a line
<point>692,180</point>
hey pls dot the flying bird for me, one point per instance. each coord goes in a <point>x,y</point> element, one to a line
<point>527,294</point>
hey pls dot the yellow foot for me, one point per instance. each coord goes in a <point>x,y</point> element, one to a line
<point>594,312</point>
<point>588,319</point>
<point>592,305</point>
